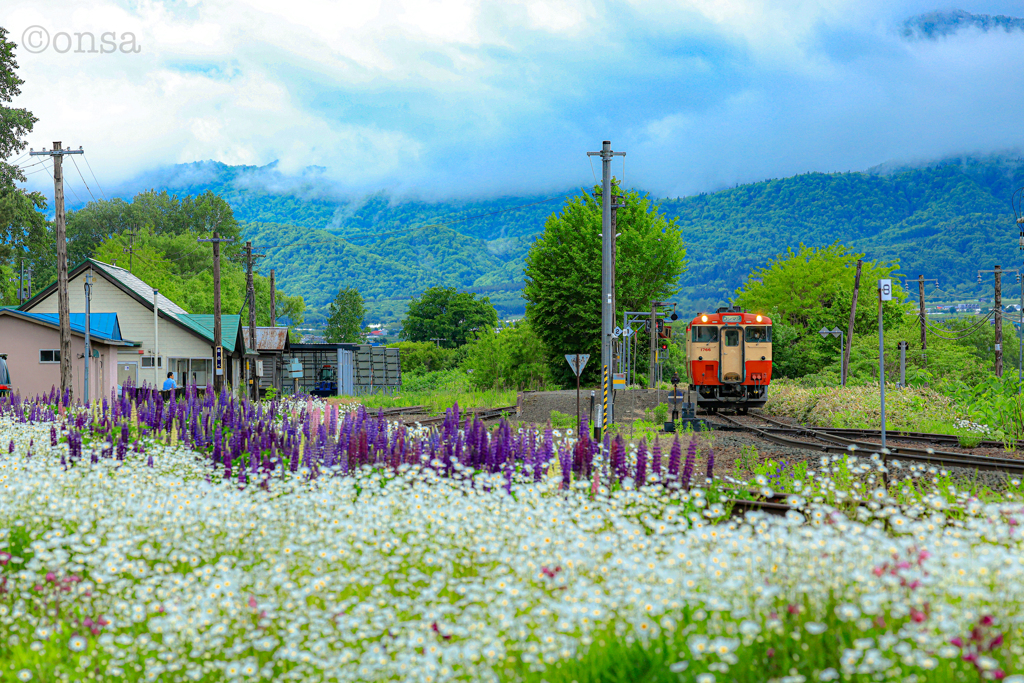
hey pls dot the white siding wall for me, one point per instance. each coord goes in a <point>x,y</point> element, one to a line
<point>136,322</point>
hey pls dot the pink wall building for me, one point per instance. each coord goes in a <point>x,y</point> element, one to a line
<point>31,342</point>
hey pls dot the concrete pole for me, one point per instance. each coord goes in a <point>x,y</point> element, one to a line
<point>156,341</point>
<point>999,323</point>
<point>607,310</point>
<point>88,344</point>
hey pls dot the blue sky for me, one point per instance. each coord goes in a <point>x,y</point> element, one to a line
<point>449,98</point>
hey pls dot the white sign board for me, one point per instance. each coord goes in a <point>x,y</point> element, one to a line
<point>885,290</point>
<point>577,361</point>
<point>628,332</point>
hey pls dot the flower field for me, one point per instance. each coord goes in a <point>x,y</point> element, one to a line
<point>206,539</point>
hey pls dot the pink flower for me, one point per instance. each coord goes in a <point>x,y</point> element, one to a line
<point>880,621</point>
<point>252,601</point>
<point>999,674</point>
<point>4,558</point>
<point>996,642</point>
<point>958,641</point>
<point>770,652</point>
<point>793,609</point>
<point>917,616</point>
<point>987,620</point>
<point>51,577</point>
<point>878,571</point>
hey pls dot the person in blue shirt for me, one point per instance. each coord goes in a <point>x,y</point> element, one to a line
<point>169,383</point>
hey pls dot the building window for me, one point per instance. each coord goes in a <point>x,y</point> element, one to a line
<point>49,355</point>
<point>147,362</point>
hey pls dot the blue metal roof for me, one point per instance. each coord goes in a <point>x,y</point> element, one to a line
<point>101,325</point>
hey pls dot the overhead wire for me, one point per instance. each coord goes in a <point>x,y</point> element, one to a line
<point>83,178</point>
<point>102,193</point>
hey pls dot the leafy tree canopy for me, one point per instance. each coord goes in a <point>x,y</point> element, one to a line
<point>345,322</point>
<point>812,288</point>
<point>511,358</point>
<point>563,275</point>
<point>15,123</point>
<point>182,270</point>
<point>447,314</point>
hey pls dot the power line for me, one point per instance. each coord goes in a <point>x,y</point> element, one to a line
<point>67,184</point>
<point>102,193</point>
<point>83,178</point>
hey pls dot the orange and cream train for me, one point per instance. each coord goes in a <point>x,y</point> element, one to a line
<point>729,357</point>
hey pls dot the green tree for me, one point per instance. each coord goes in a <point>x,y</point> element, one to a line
<point>812,288</point>
<point>15,123</point>
<point>22,225</point>
<point>422,357</point>
<point>511,358</point>
<point>563,275</point>
<point>448,314</point>
<point>344,325</point>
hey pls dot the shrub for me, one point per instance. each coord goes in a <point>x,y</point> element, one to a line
<point>422,357</point>
<point>512,358</point>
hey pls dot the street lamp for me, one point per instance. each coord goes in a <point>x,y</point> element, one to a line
<point>836,332</point>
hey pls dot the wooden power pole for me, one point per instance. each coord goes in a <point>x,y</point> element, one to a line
<point>998,311</point>
<point>273,300</point>
<point>63,309</point>
<point>922,313</point>
<point>853,318</point>
<point>250,289</point>
<point>218,342</point>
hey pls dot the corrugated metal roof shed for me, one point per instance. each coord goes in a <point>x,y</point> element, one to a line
<point>267,338</point>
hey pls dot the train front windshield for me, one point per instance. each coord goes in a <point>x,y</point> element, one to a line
<point>705,334</point>
<point>758,333</point>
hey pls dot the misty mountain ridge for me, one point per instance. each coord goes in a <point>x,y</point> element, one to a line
<point>939,24</point>
<point>942,217</point>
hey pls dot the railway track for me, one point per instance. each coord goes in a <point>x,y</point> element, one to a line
<point>828,441</point>
<point>483,414</point>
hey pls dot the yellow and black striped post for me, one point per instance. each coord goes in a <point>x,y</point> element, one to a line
<point>604,404</point>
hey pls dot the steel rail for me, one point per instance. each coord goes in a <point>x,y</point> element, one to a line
<point>925,437</point>
<point>839,444</point>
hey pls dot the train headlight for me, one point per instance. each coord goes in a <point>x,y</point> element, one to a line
<point>703,318</point>
<point>758,318</point>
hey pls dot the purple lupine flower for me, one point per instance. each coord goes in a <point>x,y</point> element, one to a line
<point>641,464</point>
<point>691,462</point>
<point>566,463</point>
<point>711,464</point>
<point>674,458</point>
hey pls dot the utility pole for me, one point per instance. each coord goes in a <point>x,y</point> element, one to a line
<point>924,317</point>
<point>250,289</point>
<point>607,306</point>
<point>998,309</point>
<point>845,370</point>
<point>654,341</point>
<point>273,300</point>
<point>63,310</point>
<point>218,373</point>
<point>130,250</point>
<point>88,340</point>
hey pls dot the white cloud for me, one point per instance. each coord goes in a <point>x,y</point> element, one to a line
<point>464,96</point>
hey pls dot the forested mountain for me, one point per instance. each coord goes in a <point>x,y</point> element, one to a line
<point>944,220</point>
